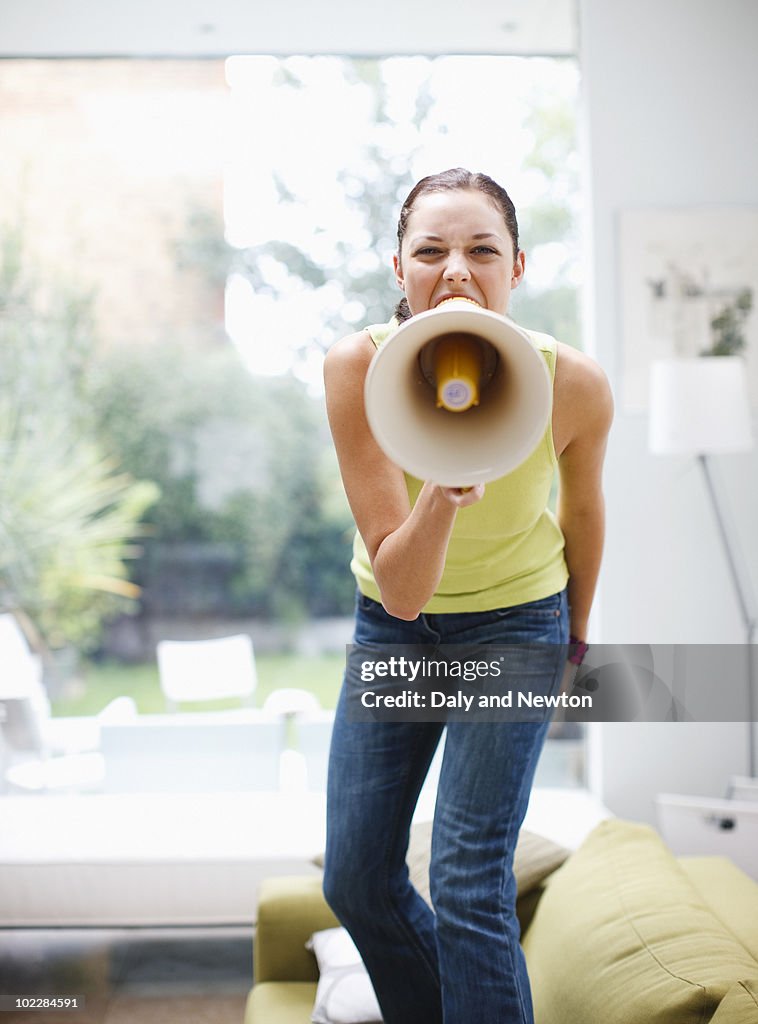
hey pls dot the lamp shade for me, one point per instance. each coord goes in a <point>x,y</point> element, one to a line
<point>699,406</point>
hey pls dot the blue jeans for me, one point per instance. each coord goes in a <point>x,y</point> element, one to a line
<point>462,963</point>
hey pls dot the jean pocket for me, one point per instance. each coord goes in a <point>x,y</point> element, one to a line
<point>541,621</point>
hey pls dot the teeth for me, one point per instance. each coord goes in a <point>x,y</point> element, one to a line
<point>459,298</point>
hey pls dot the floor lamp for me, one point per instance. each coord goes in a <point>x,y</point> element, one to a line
<point>699,407</point>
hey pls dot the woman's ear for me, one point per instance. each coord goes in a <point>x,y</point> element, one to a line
<point>398,272</point>
<point>519,265</point>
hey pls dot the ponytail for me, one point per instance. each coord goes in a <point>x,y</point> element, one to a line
<point>402,310</point>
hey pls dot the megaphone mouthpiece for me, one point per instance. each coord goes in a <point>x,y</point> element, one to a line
<point>457,366</point>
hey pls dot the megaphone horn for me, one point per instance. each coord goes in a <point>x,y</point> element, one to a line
<point>458,395</point>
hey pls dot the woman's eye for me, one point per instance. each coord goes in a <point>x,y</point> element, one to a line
<point>428,250</point>
<point>487,250</point>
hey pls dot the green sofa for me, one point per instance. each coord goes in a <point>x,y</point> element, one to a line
<point>622,933</point>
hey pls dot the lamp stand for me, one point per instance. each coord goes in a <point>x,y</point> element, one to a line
<point>741,585</point>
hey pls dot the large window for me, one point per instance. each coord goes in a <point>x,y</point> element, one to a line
<point>182,241</point>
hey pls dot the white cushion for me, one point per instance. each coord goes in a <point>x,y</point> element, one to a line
<point>345,994</point>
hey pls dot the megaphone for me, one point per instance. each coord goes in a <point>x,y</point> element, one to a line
<point>458,395</point>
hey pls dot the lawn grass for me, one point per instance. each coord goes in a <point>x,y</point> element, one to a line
<point>96,684</point>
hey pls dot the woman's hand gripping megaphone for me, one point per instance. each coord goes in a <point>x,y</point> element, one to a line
<point>462,497</point>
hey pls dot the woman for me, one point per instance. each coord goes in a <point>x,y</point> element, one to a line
<point>447,565</point>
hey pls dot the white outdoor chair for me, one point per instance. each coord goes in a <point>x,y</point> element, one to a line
<point>293,706</point>
<point>314,734</point>
<point>40,753</point>
<point>194,751</point>
<point>207,670</point>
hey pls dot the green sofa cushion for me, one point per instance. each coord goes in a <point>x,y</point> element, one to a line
<point>290,910</point>
<point>740,1005</point>
<point>280,1002</point>
<point>731,895</point>
<point>622,914</point>
<point>535,858</point>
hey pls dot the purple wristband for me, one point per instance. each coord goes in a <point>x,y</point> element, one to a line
<point>578,649</point>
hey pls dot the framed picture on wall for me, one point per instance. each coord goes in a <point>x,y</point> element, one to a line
<point>689,287</point>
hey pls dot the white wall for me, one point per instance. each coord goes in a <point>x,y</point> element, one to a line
<point>671,121</point>
<point>176,28</point>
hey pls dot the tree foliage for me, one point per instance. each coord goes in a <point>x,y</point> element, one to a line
<point>552,222</point>
<point>246,482</point>
<point>68,514</point>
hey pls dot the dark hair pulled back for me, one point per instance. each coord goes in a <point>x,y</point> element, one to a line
<point>455,177</point>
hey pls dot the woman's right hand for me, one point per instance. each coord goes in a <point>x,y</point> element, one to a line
<point>462,497</point>
<point>407,546</point>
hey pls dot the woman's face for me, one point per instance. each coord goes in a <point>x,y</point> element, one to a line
<point>457,244</point>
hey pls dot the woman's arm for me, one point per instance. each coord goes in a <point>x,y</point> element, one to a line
<point>585,412</point>
<point>407,547</point>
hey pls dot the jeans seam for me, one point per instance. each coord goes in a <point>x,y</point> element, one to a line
<point>511,951</point>
<point>557,676</point>
<point>398,918</point>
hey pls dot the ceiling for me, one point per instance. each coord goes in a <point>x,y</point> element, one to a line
<point>216,28</point>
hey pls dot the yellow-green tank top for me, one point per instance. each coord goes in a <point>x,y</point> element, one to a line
<point>505,550</point>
